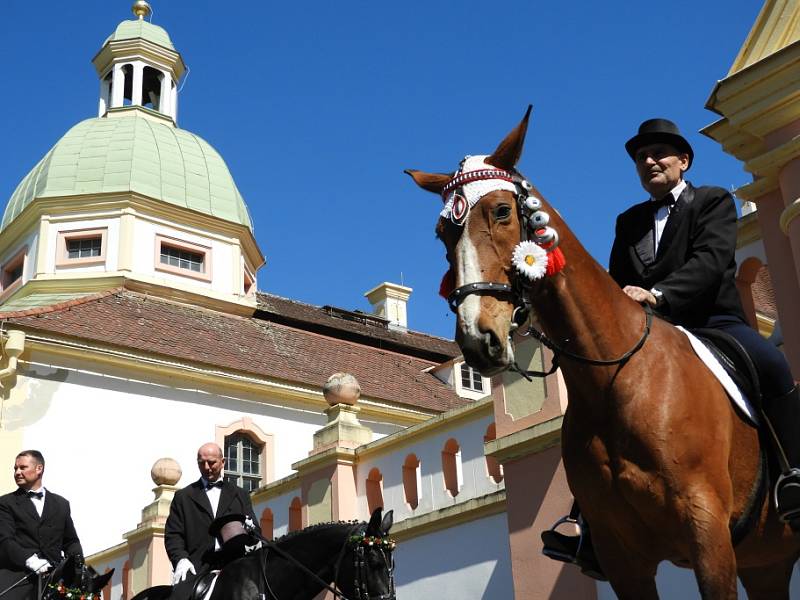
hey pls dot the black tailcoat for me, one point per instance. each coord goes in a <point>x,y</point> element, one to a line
<point>186,533</point>
<point>695,267</point>
<point>23,533</point>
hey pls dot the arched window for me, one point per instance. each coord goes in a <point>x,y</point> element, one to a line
<point>374,490</point>
<point>493,468</point>
<point>126,576</point>
<point>261,449</point>
<point>242,461</point>
<point>127,86</point>
<point>411,480</point>
<point>451,467</point>
<point>106,593</point>
<point>267,523</point>
<point>295,514</point>
<point>151,88</point>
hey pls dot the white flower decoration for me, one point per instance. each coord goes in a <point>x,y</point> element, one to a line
<point>530,259</point>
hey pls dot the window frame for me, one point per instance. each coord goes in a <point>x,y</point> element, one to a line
<point>184,246</point>
<point>474,376</point>
<point>66,236</point>
<point>21,257</point>
<point>239,472</point>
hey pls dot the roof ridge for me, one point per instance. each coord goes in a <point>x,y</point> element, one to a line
<point>32,312</point>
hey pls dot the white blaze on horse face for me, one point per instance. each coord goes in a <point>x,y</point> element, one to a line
<point>468,270</point>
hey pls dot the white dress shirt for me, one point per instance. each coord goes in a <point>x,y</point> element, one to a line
<point>38,503</point>
<point>662,214</point>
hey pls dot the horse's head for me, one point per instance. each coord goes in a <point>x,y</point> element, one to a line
<point>367,567</point>
<point>73,579</point>
<point>485,202</point>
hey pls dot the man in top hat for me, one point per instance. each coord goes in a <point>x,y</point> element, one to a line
<point>187,539</point>
<point>36,529</point>
<point>675,251</point>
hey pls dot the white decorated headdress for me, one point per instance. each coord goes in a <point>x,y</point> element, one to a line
<point>475,179</point>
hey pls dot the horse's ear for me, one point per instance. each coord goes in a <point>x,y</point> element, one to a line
<point>99,582</point>
<point>433,182</point>
<point>508,152</point>
<point>386,524</point>
<point>374,525</point>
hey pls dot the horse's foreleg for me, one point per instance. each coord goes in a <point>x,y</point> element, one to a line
<point>711,550</point>
<point>628,572</point>
<point>768,582</point>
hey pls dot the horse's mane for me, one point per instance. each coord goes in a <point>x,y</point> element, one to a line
<point>318,527</point>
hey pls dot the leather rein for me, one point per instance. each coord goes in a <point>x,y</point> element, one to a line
<point>360,568</point>
<point>531,219</point>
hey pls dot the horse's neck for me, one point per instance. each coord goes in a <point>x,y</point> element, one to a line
<point>318,550</point>
<point>583,310</point>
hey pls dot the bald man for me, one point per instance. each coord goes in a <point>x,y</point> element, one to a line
<point>186,537</point>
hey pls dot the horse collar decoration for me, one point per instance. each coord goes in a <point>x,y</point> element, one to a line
<point>661,464</point>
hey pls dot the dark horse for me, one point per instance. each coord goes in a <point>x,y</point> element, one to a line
<point>72,579</point>
<point>660,462</point>
<point>356,558</point>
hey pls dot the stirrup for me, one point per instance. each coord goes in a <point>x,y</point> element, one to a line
<point>791,514</point>
<point>562,556</point>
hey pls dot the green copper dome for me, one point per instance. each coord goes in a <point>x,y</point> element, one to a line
<point>139,28</point>
<point>134,154</point>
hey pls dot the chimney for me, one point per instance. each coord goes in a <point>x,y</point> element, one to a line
<point>389,301</point>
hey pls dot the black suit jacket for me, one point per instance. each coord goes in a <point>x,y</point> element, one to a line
<point>695,266</point>
<point>186,532</point>
<point>23,533</point>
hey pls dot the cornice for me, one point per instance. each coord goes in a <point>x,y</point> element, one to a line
<point>107,555</point>
<point>277,488</point>
<point>331,456</point>
<point>445,518</point>
<point>95,206</point>
<point>136,48</point>
<point>748,230</point>
<point>525,442</point>
<point>766,325</point>
<point>450,418</point>
<point>789,214</point>
<point>758,188</point>
<point>150,367</point>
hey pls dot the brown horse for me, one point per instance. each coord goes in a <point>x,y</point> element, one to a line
<point>659,461</point>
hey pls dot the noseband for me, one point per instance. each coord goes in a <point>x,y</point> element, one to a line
<point>534,227</point>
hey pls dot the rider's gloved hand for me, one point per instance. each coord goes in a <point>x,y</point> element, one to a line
<point>38,565</point>
<point>183,568</point>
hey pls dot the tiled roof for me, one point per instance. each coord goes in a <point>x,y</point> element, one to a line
<point>252,345</point>
<point>364,328</point>
<point>763,294</point>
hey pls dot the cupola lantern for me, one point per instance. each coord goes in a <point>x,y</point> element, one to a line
<point>139,67</point>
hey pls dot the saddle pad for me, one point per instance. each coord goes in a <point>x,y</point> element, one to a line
<point>735,394</point>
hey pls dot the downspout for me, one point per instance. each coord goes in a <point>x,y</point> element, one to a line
<point>14,346</point>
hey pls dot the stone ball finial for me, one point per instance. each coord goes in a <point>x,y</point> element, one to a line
<point>341,388</point>
<point>141,9</point>
<point>166,471</point>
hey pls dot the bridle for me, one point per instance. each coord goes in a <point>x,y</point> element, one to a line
<point>360,587</point>
<point>534,226</point>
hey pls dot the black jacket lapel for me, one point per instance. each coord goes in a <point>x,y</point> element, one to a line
<point>226,496</point>
<point>676,215</point>
<point>26,505</point>
<point>644,236</point>
<point>199,496</point>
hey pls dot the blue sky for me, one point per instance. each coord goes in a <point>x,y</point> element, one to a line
<point>318,107</point>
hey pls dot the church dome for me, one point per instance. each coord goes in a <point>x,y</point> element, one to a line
<point>139,28</point>
<point>134,154</point>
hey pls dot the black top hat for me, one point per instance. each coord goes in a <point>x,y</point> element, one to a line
<point>226,527</point>
<point>655,131</point>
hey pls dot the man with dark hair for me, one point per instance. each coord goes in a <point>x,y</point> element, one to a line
<point>186,537</point>
<point>36,529</point>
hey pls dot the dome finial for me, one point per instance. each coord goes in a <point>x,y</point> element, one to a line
<point>141,9</point>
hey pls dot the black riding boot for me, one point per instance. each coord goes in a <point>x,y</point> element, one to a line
<point>574,549</point>
<point>784,415</point>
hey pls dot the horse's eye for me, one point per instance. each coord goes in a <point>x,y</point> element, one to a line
<point>502,212</point>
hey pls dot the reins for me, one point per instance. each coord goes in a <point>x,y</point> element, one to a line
<point>533,224</point>
<point>271,545</point>
<point>559,351</point>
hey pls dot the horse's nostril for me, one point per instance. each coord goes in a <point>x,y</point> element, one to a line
<point>493,343</point>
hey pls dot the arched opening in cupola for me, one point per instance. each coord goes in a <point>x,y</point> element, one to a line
<point>151,88</point>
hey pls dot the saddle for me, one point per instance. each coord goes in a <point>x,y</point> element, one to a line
<point>734,359</point>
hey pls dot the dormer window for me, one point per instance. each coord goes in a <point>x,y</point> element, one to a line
<point>81,247</point>
<point>471,379</point>
<point>183,258</point>
<point>12,271</point>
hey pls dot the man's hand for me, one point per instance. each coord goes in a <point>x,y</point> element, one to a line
<point>183,567</point>
<point>640,294</point>
<point>38,565</point>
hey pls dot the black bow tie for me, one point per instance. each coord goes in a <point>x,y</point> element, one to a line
<point>213,484</point>
<point>32,494</point>
<point>668,201</point>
